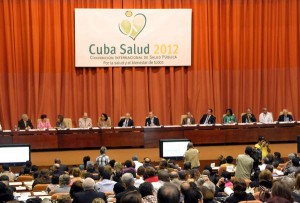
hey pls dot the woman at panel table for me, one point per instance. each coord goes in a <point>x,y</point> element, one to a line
<point>43,123</point>
<point>229,117</point>
<point>103,121</point>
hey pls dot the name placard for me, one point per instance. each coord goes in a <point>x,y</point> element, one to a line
<point>132,37</point>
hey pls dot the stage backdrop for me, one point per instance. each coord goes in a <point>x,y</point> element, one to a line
<point>132,37</point>
<point>244,54</point>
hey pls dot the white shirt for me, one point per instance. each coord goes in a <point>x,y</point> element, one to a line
<point>266,118</point>
<point>85,123</point>
<point>137,164</point>
<point>105,186</point>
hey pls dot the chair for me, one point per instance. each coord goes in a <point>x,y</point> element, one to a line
<point>251,201</point>
<point>288,113</point>
<point>242,114</point>
<point>39,187</point>
<point>182,117</point>
<point>24,178</point>
<point>68,122</point>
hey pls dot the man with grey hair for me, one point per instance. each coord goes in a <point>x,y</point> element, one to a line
<point>89,193</point>
<point>163,177</point>
<point>64,185</point>
<point>128,182</point>
<point>210,185</point>
<point>191,155</point>
<point>85,121</point>
<point>25,123</point>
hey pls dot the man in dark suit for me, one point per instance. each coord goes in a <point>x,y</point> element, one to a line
<point>89,193</point>
<point>248,117</point>
<point>189,120</point>
<point>208,118</point>
<point>285,116</point>
<point>128,182</point>
<point>62,167</point>
<point>126,122</point>
<point>152,120</point>
<point>25,123</point>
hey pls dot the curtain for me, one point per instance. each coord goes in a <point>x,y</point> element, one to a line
<point>244,54</point>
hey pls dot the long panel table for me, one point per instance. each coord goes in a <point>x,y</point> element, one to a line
<point>149,137</point>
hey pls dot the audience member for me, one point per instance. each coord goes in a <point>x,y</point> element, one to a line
<point>85,159</point>
<point>163,177</point>
<point>128,182</point>
<point>89,194</point>
<point>150,175</point>
<point>5,193</point>
<point>244,164</point>
<point>208,195</point>
<point>263,146</point>
<point>193,195</point>
<point>76,175</point>
<point>168,193</point>
<point>129,168</point>
<point>54,183</point>
<point>192,155</point>
<point>64,185</point>
<point>7,172</point>
<point>43,178</point>
<point>295,167</point>
<point>277,157</point>
<point>280,189</point>
<point>106,184</point>
<point>103,159</point>
<point>62,167</point>
<point>239,194</point>
<point>131,197</point>
<point>147,191</point>
<point>136,162</point>
<point>75,188</point>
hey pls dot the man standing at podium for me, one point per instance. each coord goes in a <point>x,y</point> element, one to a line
<point>152,120</point>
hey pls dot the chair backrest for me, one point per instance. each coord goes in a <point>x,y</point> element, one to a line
<point>182,117</point>
<point>68,122</point>
<point>24,178</point>
<point>39,187</point>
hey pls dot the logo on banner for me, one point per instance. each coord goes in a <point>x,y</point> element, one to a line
<point>132,26</point>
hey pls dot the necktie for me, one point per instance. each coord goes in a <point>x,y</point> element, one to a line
<point>207,118</point>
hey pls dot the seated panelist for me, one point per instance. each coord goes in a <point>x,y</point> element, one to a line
<point>103,121</point>
<point>44,123</point>
<point>60,123</point>
<point>248,117</point>
<point>25,123</point>
<point>85,121</point>
<point>189,120</point>
<point>229,117</point>
<point>126,121</point>
<point>208,118</point>
<point>285,116</point>
<point>152,120</point>
<point>265,116</point>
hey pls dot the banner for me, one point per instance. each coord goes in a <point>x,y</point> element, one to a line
<point>132,37</point>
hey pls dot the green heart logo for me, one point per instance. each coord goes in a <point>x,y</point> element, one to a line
<point>134,26</point>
